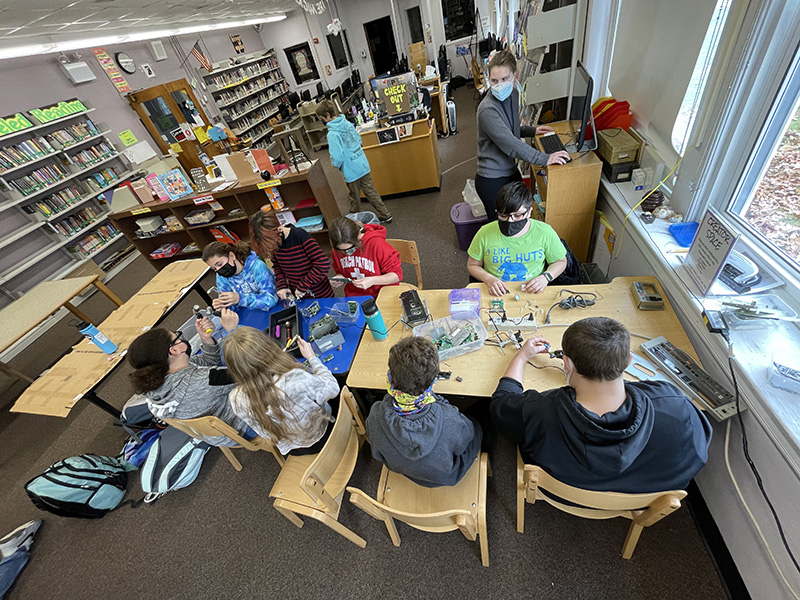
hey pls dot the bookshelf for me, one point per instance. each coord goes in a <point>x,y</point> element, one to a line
<point>53,215</point>
<point>316,132</point>
<point>305,194</point>
<point>248,95</point>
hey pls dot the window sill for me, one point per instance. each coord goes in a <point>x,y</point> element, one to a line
<point>777,410</point>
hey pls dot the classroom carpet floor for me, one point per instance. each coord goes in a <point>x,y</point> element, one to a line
<point>221,538</point>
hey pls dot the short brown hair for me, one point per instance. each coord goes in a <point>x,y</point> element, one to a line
<point>241,250</point>
<point>265,236</point>
<point>598,346</point>
<point>325,108</point>
<point>504,58</point>
<point>413,364</point>
<point>148,354</point>
<point>344,231</point>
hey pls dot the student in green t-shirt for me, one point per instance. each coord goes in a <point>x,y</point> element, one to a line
<point>516,247</point>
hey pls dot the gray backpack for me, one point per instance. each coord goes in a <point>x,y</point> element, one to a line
<point>173,462</point>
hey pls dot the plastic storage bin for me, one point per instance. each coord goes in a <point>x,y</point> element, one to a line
<point>200,216</point>
<point>448,335</point>
<point>466,300</point>
<point>345,312</point>
<point>466,224</point>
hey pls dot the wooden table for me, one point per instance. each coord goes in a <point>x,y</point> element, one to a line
<point>78,374</point>
<point>21,316</point>
<point>408,165</point>
<point>481,370</point>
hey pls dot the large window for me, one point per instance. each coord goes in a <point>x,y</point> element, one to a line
<point>691,101</point>
<point>340,49</point>
<point>459,18</point>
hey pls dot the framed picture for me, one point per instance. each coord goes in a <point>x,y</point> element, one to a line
<point>302,63</point>
<point>387,136</point>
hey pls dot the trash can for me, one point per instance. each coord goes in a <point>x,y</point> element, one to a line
<point>466,223</point>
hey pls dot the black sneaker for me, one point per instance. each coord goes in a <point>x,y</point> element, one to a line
<point>388,219</point>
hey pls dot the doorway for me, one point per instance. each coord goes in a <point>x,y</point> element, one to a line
<point>415,25</point>
<point>170,112</point>
<point>382,47</point>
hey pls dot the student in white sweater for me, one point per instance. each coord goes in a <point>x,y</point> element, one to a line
<point>276,396</point>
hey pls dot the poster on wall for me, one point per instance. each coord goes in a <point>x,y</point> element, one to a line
<point>302,63</point>
<point>238,44</point>
<point>110,67</point>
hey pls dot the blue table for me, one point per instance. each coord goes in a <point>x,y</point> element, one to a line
<point>342,359</point>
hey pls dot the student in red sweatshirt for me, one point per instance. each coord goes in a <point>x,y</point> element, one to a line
<point>301,267</point>
<point>361,254</point>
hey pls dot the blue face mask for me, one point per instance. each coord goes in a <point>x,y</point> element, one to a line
<point>503,90</point>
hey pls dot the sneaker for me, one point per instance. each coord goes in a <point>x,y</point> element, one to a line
<point>388,219</point>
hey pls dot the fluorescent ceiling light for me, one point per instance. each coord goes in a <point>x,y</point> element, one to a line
<point>67,45</point>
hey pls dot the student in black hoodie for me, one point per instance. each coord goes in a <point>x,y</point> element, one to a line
<point>600,432</point>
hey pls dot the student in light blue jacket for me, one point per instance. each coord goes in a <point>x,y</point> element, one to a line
<point>243,279</point>
<point>344,145</point>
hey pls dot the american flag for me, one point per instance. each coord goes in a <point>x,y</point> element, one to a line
<point>198,54</point>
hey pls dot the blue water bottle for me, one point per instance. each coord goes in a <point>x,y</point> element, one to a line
<point>92,334</point>
<point>374,319</point>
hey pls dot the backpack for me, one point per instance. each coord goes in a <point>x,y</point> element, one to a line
<point>85,486</point>
<point>136,448</point>
<point>572,274</point>
<point>173,462</point>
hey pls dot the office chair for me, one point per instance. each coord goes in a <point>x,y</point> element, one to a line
<point>306,95</point>
<point>426,98</point>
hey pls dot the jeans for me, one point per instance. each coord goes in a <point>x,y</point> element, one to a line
<point>487,188</point>
<point>373,197</point>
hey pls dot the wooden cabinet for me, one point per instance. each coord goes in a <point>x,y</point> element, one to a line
<point>309,189</point>
<point>316,132</point>
<point>53,215</point>
<point>569,193</point>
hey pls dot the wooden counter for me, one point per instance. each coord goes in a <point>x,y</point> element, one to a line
<point>408,165</point>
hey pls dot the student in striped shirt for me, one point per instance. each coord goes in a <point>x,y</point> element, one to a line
<point>301,267</point>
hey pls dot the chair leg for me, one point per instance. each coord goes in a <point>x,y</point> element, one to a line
<point>631,540</point>
<point>392,529</point>
<point>289,515</point>
<point>233,460</point>
<point>483,538</point>
<point>340,529</point>
<point>520,495</point>
<point>467,526</point>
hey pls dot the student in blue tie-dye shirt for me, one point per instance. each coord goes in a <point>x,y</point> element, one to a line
<point>243,279</point>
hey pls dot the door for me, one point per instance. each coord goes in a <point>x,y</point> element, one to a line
<point>380,39</point>
<point>415,25</point>
<point>165,110</point>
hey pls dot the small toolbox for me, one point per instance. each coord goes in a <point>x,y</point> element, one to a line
<point>617,146</point>
<point>283,326</point>
<point>620,172</point>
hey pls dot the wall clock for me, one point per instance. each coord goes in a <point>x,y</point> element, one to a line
<point>125,62</point>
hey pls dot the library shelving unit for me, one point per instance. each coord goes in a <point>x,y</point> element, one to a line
<point>316,132</point>
<point>248,94</point>
<point>53,214</point>
<point>305,194</point>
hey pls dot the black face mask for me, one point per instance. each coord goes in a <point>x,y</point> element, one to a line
<point>188,350</point>
<point>511,228</point>
<point>227,270</point>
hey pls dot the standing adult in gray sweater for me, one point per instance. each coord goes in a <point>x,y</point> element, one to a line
<point>176,384</point>
<point>499,131</point>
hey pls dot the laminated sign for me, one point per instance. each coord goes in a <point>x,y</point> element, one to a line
<point>397,98</point>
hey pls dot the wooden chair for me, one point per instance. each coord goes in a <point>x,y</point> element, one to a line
<point>313,485</point>
<point>441,509</point>
<point>643,509</point>
<point>205,427</point>
<point>408,254</point>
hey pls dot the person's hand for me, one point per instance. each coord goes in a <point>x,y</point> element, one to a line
<point>229,319</point>
<point>364,283</point>
<point>559,158</point>
<point>532,347</point>
<point>226,299</point>
<point>338,282</point>
<point>205,329</point>
<point>496,287</point>
<point>284,293</point>
<point>305,349</point>
<point>299,295</point>
<point>542,129</point>
<point>535,285</point>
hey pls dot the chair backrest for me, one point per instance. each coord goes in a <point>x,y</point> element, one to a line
<point>592,504</point>
<point>408,254</point>
<point>348,397</point>
<point>205,427</point>
<point>329,460</point>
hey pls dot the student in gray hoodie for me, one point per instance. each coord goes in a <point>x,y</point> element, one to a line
<point>499,131</point>
<point>176,384</point>
<point>415,432</point>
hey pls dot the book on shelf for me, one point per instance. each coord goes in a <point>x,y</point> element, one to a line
<point>76,222</point>
<point>94,240</point>
<point>73,133</point>
<point>44,176</point>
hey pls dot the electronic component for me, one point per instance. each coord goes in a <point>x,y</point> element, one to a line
<point>459,335</point>
<point>715,322</point>
<point>444,375</point>
<point>459,380</point>
<point>325,333</point>
<point>311,310</point>
<point>551,142</point>
<point>783,376</point>
<point>691,378</point>
<point>645,296</point>
<point>503,323</point>
<point>739,281</point>
<point>414,311</point>
<point>496,304</point>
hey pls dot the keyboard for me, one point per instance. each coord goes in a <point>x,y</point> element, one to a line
<point>690,377</point>
<point>551,142</point>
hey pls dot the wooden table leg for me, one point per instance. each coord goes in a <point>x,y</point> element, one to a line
<point>14,373</point>
<point>109,294</point>
<point>76,312</point>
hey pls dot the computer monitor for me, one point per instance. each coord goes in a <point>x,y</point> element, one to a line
<point>581,110</point>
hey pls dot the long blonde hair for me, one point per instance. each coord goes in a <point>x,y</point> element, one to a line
<point>255,361</point>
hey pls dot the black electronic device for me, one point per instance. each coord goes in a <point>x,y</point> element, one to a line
<point>738,280</point>
<point>551,142</point>
<point>406,117</point>
<point>691,378</point>
<point>414,311</point>
<point>581,111</point>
